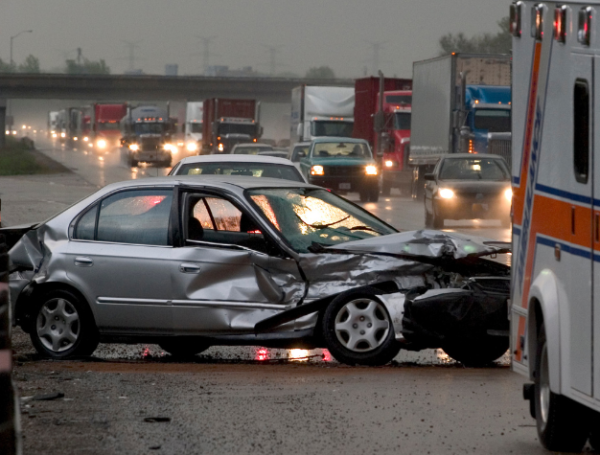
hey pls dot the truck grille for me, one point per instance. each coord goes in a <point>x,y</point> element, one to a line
<point>150,144</point>
<point>344,171</point>
<point>500,144</point>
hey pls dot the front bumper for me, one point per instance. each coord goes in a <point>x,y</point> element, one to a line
<point>469,207</point>
<point>151,156</point>
<point>344,183</point>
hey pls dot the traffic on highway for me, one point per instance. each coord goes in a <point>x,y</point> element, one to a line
<point>372,264</point>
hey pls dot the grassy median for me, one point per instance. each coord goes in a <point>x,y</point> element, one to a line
<point>18,158</point>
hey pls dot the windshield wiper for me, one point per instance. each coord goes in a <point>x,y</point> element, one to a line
<point>364,228</point>
<point>321,226</point>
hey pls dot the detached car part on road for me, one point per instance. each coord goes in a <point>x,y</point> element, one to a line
<point>188,263</point>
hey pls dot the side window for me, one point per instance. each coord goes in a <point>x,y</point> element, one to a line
<point>139,217</point>
<point>216,220</point>
<point>581,130</point>
<point>84,229</point>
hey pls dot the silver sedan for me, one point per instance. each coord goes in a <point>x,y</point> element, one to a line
<point>191,262</point>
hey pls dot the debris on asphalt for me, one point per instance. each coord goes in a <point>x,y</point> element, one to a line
<point>157,419</point>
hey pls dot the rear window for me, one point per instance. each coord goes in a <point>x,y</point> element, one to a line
<point>251,150</point>
<point>278,171</point>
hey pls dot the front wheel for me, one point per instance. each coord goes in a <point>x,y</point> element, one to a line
<point>374,194</point>
<point>63,326</point>
<point>364,195</point>
<point>437,221</point>
<point>562,424</point>
<point>477,352</point>
<point>357,329</point>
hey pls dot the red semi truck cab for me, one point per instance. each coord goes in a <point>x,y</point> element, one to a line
<point>395,171</point>
<point>106,126</point>
<point>391,143</point>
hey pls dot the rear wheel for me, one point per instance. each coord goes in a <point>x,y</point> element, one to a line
<point>357,329</point>
<point>63,326</point>
<point>477,352</point>
<point>562,424</point>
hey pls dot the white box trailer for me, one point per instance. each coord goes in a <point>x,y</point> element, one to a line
<point>555,310</point>
<point>193,125</point>
<point>321,111</point>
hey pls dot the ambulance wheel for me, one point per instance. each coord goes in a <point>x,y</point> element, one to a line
<point>477,352</point>
<point>562,424</point>
<point>358,330</point>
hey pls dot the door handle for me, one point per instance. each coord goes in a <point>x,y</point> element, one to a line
<point>83,261</point>
<point>189,268</point>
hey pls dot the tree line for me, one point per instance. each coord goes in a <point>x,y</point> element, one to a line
<point>31,65</point>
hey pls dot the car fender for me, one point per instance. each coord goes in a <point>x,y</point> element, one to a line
<point>545,294</point>
<point>394,304</point>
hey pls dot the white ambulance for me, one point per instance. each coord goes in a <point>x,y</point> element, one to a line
<point>555,311</point>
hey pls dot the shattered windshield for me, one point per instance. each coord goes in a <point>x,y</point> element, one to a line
<point>306,216</point>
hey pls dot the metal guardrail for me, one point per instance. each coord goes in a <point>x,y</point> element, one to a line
<point>501,144</point>
<point>9,425</point>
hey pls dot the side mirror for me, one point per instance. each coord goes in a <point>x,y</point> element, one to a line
<point>429,177</point>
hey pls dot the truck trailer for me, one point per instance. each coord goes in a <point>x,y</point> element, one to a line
<point>382,114</point>
<point>458,101</point>
<point>319,111</point>
<point>227,122</point>
<point>193,126</point>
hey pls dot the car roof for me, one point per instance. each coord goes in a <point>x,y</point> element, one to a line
<point>471,155</point>
<point>234,183</point>
<point>338,139</point>
<point>228,158</point>
<point>252,144</point>
<point>301,144</point>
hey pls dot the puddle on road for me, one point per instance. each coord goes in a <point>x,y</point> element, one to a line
<point>245,354</point>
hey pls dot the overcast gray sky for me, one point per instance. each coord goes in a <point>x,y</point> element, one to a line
<point>310,32</point>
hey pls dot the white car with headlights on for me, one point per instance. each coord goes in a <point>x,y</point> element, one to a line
<point>467,186</point>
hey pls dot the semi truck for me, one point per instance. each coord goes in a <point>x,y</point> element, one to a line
<point>193,126</point>
<point>147,135</point>
<point>227,122</point>
<point>459,100</point>
<point>106,125</point>
<point>555,303</point>
<point>382,114</point>
<point>321,111</point>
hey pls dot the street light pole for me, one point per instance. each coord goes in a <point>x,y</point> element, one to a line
<point>11,43</point>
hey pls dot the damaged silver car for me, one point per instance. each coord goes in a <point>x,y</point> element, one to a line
<point>189,263</point>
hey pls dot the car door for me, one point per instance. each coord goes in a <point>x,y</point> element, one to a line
<point>228,276</point>
<point>119,257</point>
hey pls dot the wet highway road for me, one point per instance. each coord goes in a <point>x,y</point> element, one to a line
<point>256,400</point>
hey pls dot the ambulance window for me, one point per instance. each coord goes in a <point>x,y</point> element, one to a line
<point>581,130</point>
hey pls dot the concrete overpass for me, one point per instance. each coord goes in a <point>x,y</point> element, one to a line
<point>157,88</point>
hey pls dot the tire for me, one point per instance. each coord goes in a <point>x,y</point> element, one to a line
<point>364,196</point>
<point>375,341</point>
<point>477,352</point>
<point>386,188</point>
<point>562,424</point>
<point>133,163</point>
<point>437,222</point>
<point>428,219</point>
<point>374,194</point>
<point>55,315</point>
<point>184,347</point>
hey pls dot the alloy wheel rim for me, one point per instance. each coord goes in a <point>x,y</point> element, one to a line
<point>362,325</point>
<point>544,387</point>
<point>57,325</point>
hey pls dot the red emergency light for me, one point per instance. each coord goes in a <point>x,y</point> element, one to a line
<point>537,21</point>
<point>516,14</point>
<point>560,24</point>
<point>584,29</point>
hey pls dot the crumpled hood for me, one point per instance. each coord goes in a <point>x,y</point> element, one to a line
<point>425,243</point>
